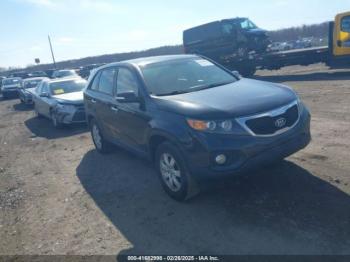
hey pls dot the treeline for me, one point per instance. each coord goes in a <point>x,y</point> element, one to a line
<point>288,34</point>
<point>294,33</point>
<point>164,50</point>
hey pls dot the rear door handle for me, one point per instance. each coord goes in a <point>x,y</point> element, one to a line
<point>93,101</point>
<point>115,109</point>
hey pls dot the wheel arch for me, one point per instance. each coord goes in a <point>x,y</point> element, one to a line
<point>156,139</point>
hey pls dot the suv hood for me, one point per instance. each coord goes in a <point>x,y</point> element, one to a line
<point>70,98</point>
<point>241,98</point>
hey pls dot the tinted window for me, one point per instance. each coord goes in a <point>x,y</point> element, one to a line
<point>44,89</point>
<point>182,76</point>
<point>126,81</point>
<point>107,80</point>
<point>345,24</point>
<point>95,82</point>
<point>70,86</point>
<point>227,28</point>
<point>247,24</point>
<point>38,88</point>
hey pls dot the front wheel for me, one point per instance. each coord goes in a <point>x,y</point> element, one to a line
<point>174,175</point>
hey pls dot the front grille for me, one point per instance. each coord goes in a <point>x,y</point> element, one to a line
<point>80,107</point>
<point>270,123</point>
<point>79,116</point>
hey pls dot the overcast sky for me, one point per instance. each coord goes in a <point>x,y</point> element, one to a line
<point>81,28</point>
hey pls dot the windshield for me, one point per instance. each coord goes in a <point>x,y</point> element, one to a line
<point>11,81</point>
<point>246,24</point>
<point>65,87</point>
<point>183,76</point>
<point>64,73</point>
<point>31,83</point>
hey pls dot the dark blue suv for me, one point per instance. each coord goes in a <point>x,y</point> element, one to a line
<point>195,119</point>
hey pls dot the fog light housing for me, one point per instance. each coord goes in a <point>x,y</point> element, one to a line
<point>220,159</point>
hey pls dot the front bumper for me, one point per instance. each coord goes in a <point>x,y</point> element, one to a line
<point>9,91</point>
<point>244,153</point>
<point>75,115</point>
<point>26,97</point>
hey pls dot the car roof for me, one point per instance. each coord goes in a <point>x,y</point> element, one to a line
<point>142,61</point>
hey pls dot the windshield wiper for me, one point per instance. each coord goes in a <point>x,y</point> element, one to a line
<point>174,93</point>
<point>195,88</point>
<point>198,88</point>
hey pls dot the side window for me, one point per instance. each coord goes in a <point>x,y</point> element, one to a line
<point>107,80</point>
<point>227,29</point>
<point>95,82</point>
<point>38,88</point>
<point>126,81</point>
<point>44,89</point>
<point>345,24</point>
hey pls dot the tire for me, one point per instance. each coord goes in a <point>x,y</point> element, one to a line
<point>174,175</point>
<point>101,144</point>
<point>54,120</point>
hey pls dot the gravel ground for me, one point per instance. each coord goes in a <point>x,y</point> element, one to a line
<point>59,196</point>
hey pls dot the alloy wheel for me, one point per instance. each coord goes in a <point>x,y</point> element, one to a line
<point>170,171</point>
<point>97,136</point>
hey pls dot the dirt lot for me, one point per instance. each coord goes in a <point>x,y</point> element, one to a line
<point>59,196</point>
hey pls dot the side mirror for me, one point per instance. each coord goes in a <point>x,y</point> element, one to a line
<point>44,94</point>
<point>128,97</point>
<point>237,74</point>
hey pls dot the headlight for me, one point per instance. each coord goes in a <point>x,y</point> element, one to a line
<point>217,126</point>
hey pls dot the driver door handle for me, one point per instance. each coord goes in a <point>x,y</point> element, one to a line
<point>93,101</point>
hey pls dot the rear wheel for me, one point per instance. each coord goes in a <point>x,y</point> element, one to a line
<point>102,145</point>
<point>174,175</point>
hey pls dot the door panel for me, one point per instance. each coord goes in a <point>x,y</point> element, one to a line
<point>42,102</point>
<point>132,118</point>
<point>341,35</point>
<point>133,123</point>
<point>105,102</point>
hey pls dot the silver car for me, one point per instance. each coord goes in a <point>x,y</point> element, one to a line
<point>61,101</point>
<point>27,89</point>
<point>10,86</point>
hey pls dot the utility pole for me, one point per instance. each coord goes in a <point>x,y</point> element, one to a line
<point>53,57</point>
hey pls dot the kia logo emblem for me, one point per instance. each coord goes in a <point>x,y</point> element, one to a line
<point>280,122</point>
